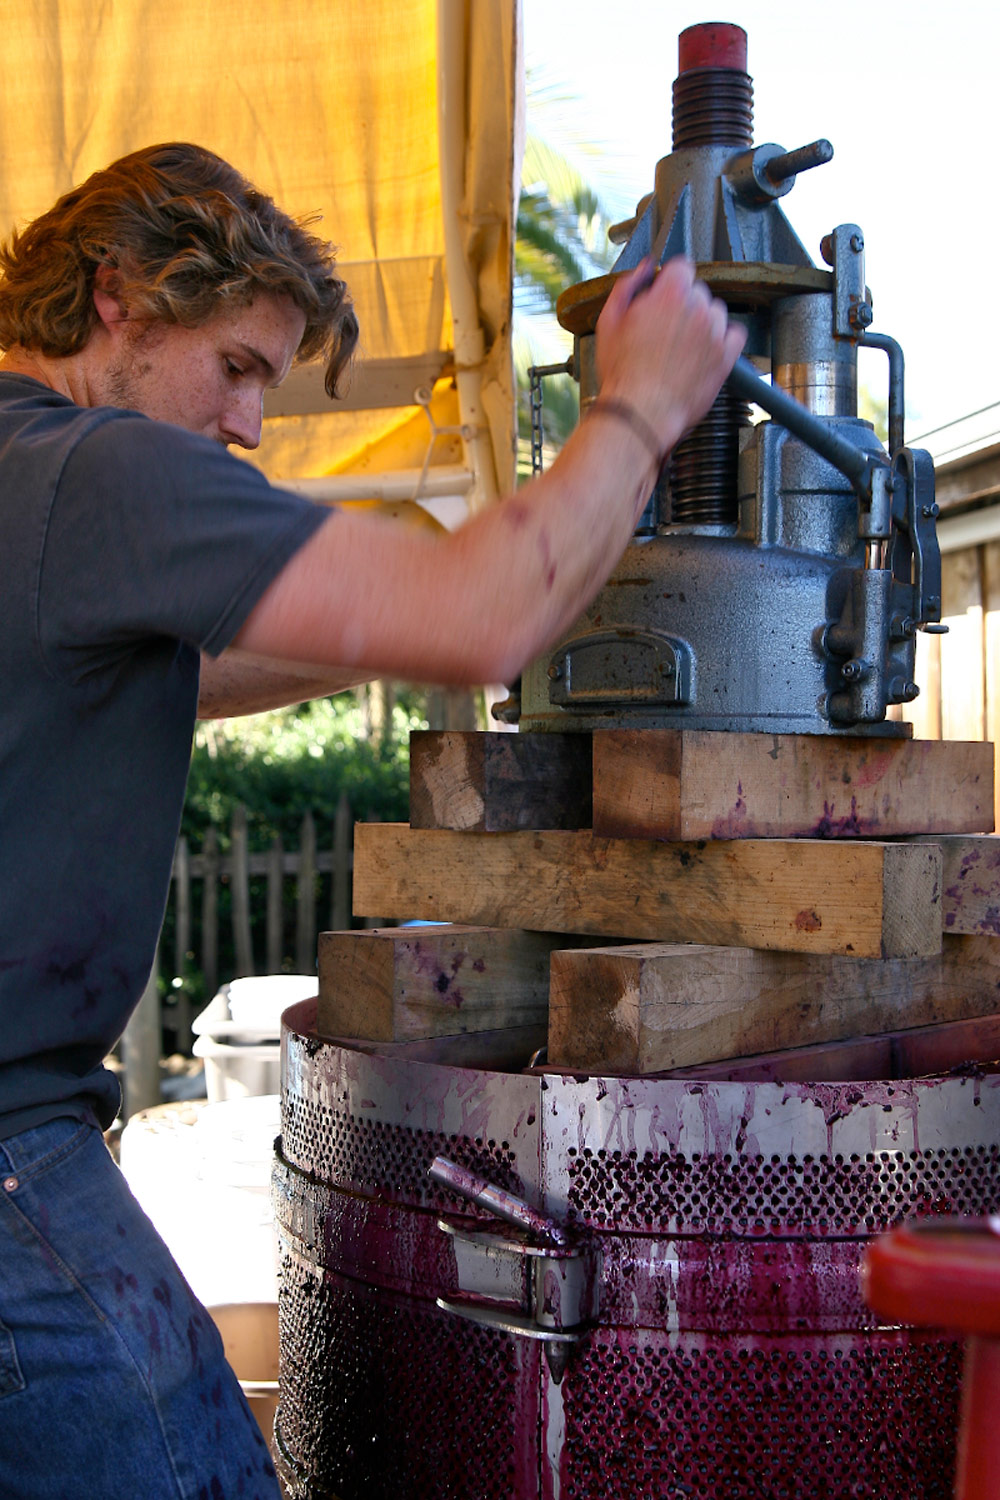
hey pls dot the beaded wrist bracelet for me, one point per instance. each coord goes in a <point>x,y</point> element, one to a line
<point>627,413</point>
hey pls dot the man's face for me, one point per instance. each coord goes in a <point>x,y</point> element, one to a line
<point>211,379</point>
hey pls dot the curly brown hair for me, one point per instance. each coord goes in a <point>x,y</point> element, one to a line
<point>185,234</point>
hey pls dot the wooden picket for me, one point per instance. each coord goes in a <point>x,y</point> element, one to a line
<point>959,673</point>
<point>257,927</point>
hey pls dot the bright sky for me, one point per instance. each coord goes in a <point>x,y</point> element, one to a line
<point>909,95</point>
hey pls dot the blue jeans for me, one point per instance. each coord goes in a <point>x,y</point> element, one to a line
<point>113,1382</point>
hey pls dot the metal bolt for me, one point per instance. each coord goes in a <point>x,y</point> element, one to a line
<point>555,672</point>
<point>857,243</point>
<point>930,512</point>
<point>861,315</point>
<point>853,669</point>
<point>10,1184</point>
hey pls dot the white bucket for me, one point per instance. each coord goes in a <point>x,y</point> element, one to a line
<point>249,1010</point>
<point>235,1070</point>
<point>237,1034</point>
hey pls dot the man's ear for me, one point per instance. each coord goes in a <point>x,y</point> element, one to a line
<point>108,300</point>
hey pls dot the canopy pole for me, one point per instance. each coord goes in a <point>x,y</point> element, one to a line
<point>470,347</point>
<point>388,485</point>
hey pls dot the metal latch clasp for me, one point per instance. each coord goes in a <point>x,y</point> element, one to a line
<point>532,1279</point>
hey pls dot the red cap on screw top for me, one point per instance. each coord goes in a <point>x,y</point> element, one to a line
<point>713,44</point>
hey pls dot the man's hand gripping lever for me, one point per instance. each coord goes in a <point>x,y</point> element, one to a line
<point>665,346</point>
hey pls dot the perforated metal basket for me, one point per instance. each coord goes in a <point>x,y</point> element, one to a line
<point>729,1354</point>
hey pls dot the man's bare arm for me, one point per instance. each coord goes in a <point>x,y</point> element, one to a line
<point>478,604</point>
<point>238,683</point>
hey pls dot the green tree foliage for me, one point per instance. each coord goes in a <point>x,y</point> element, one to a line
<point>282,764</point>
<point>561,230</point>
<point>279,766</point>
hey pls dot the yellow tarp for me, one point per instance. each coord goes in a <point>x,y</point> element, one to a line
<point>392,119</point>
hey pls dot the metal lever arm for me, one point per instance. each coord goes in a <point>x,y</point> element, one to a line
<point>545,1291</point>
<point>859,467</point>
<point>897,495</point>
<point>512,1210</point>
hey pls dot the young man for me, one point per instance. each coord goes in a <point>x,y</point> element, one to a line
<point>148,575</point>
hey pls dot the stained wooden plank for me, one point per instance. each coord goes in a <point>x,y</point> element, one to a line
<point>690,784</point>
<point>646,1008</point>
<point>400,984</point>
<point>499,782</point>
<point>970,884</point>
<point>914,1053</point>
<point>867,899</point>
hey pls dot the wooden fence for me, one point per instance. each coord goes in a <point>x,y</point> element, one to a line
<point>263,937</point>
<point>959,673</point>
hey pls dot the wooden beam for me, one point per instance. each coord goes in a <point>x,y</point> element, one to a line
<point>916,1053</point>
<point>399,984</point>
<point>496,783</point>
<point>970,885</point>
<point>869,900</point>
<point>691,784</point>
<point>974,478</point>
<point>646,1008</point>
<point>375,383</point>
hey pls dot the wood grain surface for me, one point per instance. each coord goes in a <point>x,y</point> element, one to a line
<point>868,900</point>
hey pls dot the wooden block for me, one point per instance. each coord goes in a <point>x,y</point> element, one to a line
<point>869,900</point>
<point>396,984</point>
<point>495,783</point>
<point>917,1053</point>
<point>898,1054</point>
<point>646,1008</point>
<point>970,884</point>
<point>693,784</point>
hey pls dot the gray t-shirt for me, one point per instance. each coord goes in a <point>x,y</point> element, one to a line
<point>128,546</point>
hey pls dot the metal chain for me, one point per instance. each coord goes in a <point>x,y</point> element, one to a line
<point>536,375</point>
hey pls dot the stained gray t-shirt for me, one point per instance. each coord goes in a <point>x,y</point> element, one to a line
<point>127,546</point>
